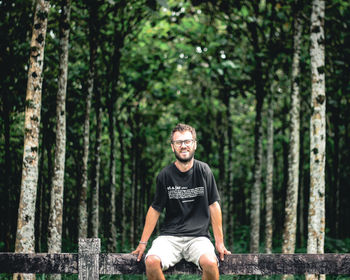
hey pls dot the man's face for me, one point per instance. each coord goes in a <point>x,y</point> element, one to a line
<point>183,150</point>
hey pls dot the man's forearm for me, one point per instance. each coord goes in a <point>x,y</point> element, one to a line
<point>216,221</point>
<point>150,223</point>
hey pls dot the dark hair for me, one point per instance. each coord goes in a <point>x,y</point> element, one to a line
<point>184,127</point>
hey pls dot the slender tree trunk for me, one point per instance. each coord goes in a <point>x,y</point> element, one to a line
<point>112,234</point>
<point>93,38</point>
<point>260,95</point>
<point>73,194</point>
<point>47,183</point>
<point>8,172</point>
<point>133,122</point>
<point>25,239</point>
<point>301,204</point>
<point>256,190</point>
<point>230,189</point>
<point>122,186</point>
<point>112,230</point>
<point>290,221</point>
<point>95,220</point>
<point>344,191</point>
<point>83,216</point>
<point>135,184</point>
<point>56,208</point>
<point>316,221</point>
<point>221,139</point>
<point>226,160</point>
<point>291,204</point>
<point>269,178</point>
<point>40,199</point>
<point>133,179</point>
<point>335,180</point>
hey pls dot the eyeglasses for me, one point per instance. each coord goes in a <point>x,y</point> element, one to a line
<point>178,143</point>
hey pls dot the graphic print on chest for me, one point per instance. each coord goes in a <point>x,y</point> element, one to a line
<point>185,194</point>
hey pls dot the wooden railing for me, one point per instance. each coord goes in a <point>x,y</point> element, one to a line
<point>89,263</point>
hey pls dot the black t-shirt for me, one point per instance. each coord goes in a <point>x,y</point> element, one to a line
<point>186,196</point>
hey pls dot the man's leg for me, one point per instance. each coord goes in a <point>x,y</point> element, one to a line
<point>154,268</point>
<point>209,265</point>
<point>201,252</point>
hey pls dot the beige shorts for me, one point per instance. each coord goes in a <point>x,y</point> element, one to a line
<point>171,249</point>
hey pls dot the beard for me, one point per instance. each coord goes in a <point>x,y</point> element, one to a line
<point>184,159</point>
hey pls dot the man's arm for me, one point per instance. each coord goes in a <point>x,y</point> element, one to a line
<point>216,223</point>
<point>150,223</point>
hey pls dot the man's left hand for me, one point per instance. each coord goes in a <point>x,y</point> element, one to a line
<point>220,247</point>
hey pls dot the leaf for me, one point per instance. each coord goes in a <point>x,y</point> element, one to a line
<point>163,3</point>
<point>230,64</point>
<point>244,11</point>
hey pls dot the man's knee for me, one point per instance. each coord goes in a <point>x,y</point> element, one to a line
<point>208,262</point>
<point>152,262</point>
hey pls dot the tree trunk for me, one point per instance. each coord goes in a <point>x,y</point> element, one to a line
<point>83,216</point>
<point>135,181</point>
<point>40,197</point>
<point>291,204</point>
<point>256,190</point>
<point>95,220</point>
<point>335,198</point>
<point>93,35</point>
<point>7,179</point>
<point>25,239</point>
<point>290,221</point>
<point>316,219</point>
<point>112,231</point>
<point>230,188</point>
<point>222,185</point>
<point>269,179</point>
<point>301,204</point>
<point>122,185</point>
<point>56,208</point>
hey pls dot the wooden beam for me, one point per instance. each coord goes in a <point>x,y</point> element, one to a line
<point>235,264</point>
<point>266,264</point>
<point>39,263</point>
<point>241,264</point>
<point>89,255</point>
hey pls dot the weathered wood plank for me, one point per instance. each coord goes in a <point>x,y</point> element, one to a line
<point>241,264</point>
<point>235,264</point>
<point>89,255</point>
<point>121,264</point>
<point>128,264</point>
<point>266,264</point>
<point>39,263</point>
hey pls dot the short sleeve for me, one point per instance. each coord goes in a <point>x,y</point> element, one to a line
<point>160,197</point>
<point>213,193</point>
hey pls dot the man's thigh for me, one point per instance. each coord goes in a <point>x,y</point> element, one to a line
<point>167,249</point>
<point>197,247</point>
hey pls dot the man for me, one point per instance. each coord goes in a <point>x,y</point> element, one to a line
<point>188,192</point>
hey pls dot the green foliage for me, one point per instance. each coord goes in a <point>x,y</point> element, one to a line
<point>165,62</point>
<point>333,245</point>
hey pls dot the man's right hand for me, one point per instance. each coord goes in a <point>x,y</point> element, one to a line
<point>139,251</point>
